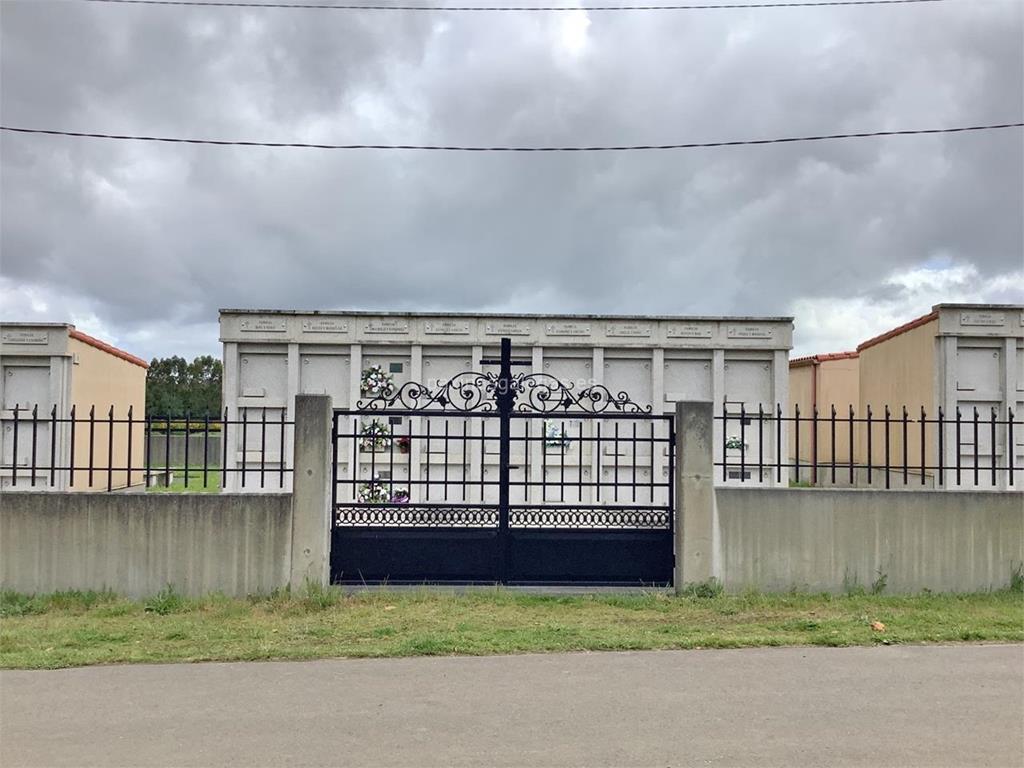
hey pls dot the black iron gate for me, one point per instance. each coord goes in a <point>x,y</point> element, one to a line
<point>514,479</point>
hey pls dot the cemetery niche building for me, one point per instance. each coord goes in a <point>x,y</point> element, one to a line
<point>270,356</point>
<point>53,368</point>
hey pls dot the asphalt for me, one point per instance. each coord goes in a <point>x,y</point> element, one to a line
<point>882,706</point>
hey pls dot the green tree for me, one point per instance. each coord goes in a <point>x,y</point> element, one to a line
<point>175,386</point>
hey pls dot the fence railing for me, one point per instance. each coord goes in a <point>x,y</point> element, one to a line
<point>99,450</point>
<point>886,447</point>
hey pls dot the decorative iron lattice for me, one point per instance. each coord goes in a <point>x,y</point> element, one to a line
<point>608,518</point>
<point>415,516</point>
<point>535,393</point>
<point>463,392</point>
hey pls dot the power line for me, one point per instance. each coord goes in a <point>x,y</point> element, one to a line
<point>466,148</point>
<point>511,9</point>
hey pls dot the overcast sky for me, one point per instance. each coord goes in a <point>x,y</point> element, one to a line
<point>141,244</point>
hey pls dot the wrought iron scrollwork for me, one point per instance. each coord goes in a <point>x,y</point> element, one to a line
<point>463,392</point>
<point>543,393</point>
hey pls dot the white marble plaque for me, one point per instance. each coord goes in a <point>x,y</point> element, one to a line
<point>387,325</point>
<point>567,329</point>
<point>689,331</point>
<point>983,318</point>
<point>25,337</point>
<point>628,329</point>
<point>264,325</point>
<point>325,325</point>
<point>748,332</point>
<point>507,328</point>
<point>447,327</point>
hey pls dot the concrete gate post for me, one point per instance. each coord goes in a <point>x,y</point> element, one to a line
<point>695,493</point>
<point>311,491</point>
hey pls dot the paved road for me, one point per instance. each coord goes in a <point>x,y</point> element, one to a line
<point>925,706</point>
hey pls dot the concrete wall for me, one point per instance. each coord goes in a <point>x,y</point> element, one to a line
<point>102,379</point>
<point>136,544</point>
<point>777,539</point>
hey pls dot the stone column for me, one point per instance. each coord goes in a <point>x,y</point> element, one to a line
<point>695,493</point>
<point>311,494</point>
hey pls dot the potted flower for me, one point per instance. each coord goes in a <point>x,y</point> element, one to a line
<point>375,436</point>
<point>375,382</point>
<point>400,496</point>
<point>555,436</point>
<point>403,443</point>
<point>373,493</point>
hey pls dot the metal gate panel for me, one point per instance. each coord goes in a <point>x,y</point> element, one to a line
<point>517,479</point>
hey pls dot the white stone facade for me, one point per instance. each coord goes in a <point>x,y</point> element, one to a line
<point>271,356</point>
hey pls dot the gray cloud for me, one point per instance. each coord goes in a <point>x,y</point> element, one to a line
<point>144,242</point>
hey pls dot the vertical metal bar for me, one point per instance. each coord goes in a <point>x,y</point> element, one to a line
<point>832,441</point>
<point>14,449</point>
<point>814,445</point>
<point>263,446</point>
<point>446,454</point>
<point>53,446</point>
<point>281,452</point>
<point>650,469</point>
<point>975,445</point>
<point>372,442</point>
<point>130,430</point>
<point>1011,447</point>
<point>427,455</point>
<point>167,450</point>
<point>924,418</point>
<point>958,444</point>
<point>391,460</point>
<point>796,449</point>
<point>905,461</point>
<point>743,441</point>
<point>870,437</point>
<point>760,442</point>
<point>188,434</point>
<point>354,426</point>
<point>147,435</point>
<point>334,465</point>
<point>110,449</point>
<point>993,444</point>
<point>71,478</point>
<point>598,479</point>
<point>561,441</point>
<point>725,441</point>
<point>465,457</point>
<point>505,402</point>
<point>92,440</point>
<point>887,415</point>
<point>245,441</point>
<point>850,446</point>
<point>206,448</point>
<point>483,450</point>
<point>942,453</point>
<point>671,471</point>
<point>544,461</point>
<point>778,442</point>
<point>35,440</point>
<point>224,450</point>
<point>615,487</point>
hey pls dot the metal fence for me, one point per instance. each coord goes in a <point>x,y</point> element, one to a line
<point>878,448</point>
<point>98,450</point>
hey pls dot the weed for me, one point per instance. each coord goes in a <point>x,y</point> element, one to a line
<point>165,602</point>
<point>879,584</point>
<point>1017,578</point>
<point>704,590</point>
<point>317,597</point>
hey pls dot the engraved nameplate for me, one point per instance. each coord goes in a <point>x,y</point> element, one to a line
<point>567,329</point>
<point>446,327</point>
<point>628,329</point>
<point>387,326</point>
<point>748,332</point>
<point>688,332</point>
<point>25,337</point>
<point>325,325</point>
<point>507,328</point>
<point>264,325</point>
<point>982,318</point>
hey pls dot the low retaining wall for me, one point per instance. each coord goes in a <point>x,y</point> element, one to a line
<point>136,544</point>
<point>830,540</point>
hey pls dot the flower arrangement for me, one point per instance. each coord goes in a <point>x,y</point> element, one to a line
<point>376,492</point>
<point>375,381</point>
<point>374,436</point>
<point>555,436</point>
<point>733,443</point>
<point>403,443</point>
